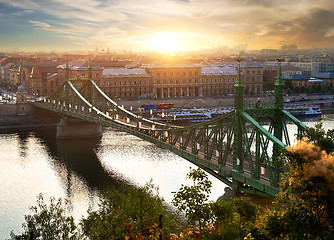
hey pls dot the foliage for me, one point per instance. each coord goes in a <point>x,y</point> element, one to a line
<point>305,204</point>
<point>235,219</point>
<point>193,200</point>
<point>49,222</point>
<point>319,137</point>
<point>128,212</point>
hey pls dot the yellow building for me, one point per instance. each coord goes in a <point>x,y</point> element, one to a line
<point>176,81</point>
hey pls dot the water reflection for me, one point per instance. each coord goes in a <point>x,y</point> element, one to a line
<point>23,139</point>
<point>33,161</point>
<point>79,158</point>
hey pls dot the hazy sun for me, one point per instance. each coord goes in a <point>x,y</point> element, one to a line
<point>165,42</point>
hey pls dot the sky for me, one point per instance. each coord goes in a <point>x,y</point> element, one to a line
<point>164,25</point>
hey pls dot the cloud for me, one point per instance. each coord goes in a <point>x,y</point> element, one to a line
<point>122,22</point>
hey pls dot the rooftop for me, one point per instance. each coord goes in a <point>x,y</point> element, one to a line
<point>323,75</point>
<point>124,72</point>
<point>80,65</point>
<point>219,70</point>
<point>294,76</point>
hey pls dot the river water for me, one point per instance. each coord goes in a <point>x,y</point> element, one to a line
<point>33,161</point>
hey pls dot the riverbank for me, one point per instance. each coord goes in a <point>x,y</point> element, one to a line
<point>25,115</point>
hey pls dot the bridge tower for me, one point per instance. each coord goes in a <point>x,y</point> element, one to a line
<point>277,120</point>
<point>238,143</point>
<point>73,127</point>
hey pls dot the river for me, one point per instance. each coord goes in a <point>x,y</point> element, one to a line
<point>33,161</point>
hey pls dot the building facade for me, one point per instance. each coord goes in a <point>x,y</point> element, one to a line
<point>176,81</point>
<point>125,83</point>
<point>218,81</point>
<point>166,81</point>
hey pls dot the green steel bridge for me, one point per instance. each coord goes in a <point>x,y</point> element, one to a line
<point>235,147</point>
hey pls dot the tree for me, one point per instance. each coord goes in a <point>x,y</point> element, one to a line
<point>234,219</point>
<point>49,222</point>
<point>319,137</point>
<point>305,204</point>
<point>193,200</point>
<point>318,88</point>
<point>128,212</point>
<point>288,85</point>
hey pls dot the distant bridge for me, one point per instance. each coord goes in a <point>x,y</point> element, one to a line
<point>235,147</point>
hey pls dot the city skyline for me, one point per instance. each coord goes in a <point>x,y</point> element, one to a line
<point>164,25</point>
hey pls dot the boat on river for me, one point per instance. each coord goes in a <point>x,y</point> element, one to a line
<point>183,116</point>
<point>304,110</point>
<point>189,115</point>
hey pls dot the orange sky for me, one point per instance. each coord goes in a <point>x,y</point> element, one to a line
<point>164,25</point>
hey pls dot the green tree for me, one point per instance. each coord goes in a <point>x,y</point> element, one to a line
<point>193,200</point>
<point>321,138</point>
<point>234,219</point>
<point>305,204</point>
<point>49,221</point>
<point>318,88</point>
<point>288,85</point>
<point>128,212</point>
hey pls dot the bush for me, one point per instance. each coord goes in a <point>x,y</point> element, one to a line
<point>49,222</point>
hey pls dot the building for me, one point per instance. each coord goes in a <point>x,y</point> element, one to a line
<point>169,81</point>
<point>297,80</point>
<point>125,83</point>
<point>218,81</point>
<point>35,83</point>
<point>78,69</point>
<point>328,77</point>
<point>252,74</point>
<point>52,83</point>
<point>176,80</point>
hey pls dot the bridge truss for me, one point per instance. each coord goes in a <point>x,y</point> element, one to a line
<point>235,147</point>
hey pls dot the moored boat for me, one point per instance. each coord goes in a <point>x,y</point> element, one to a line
<point>304,111</point>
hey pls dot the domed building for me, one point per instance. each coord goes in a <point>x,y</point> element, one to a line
<point>21,95</point>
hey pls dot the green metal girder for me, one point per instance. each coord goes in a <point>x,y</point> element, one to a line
<point>257,184</point>
<point>263,130</point>
<point>293,119</point>
<point>216,134</point>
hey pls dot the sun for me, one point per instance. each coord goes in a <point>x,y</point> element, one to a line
<point>167,42</point>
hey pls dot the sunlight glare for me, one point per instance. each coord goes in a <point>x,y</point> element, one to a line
<point>165,42</point>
